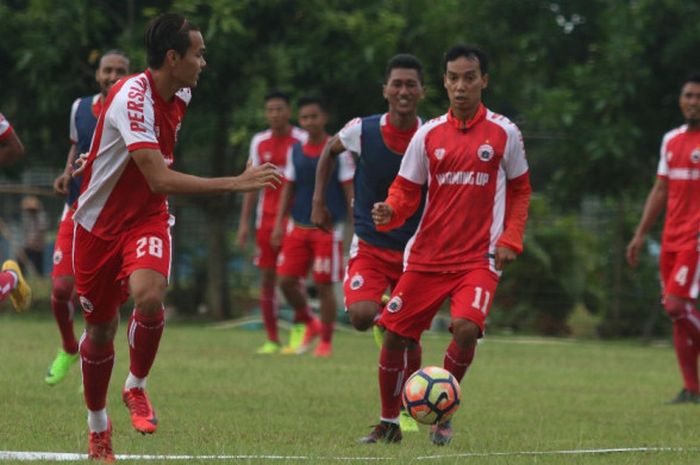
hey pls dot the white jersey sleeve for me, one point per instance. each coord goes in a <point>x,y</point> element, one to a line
<point>346,167</point>
<point>414,165</point>
<point>132,114</point>
<point>73,130</point>
<point>514,161</point>
<point>351,135</point>
<point>290,173</point>
<point>4,126</point>
<point>662,169</point>
<point>253,155</point>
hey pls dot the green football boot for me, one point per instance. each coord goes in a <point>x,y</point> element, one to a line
<point>407,422</point>
<point>269,348</point>
<point>60,366</point>
<point>296,337</point>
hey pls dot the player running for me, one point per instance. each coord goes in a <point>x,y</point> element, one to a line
<point>473,163</point>
<point>269,146</point>
<point>113,66</point>
<point>122,222</point>
<point>306,247</point>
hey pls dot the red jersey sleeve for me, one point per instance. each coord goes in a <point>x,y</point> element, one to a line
<point>518,192</point>
<point>404,199</point>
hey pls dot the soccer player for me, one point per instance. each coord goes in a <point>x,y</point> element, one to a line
<point>122,222</point>
<point>677,189</point>
<point>305,246</point>
<point>12,282</point>
<point>11,148</point>
<point>113,66</point>
<point>269,146</point>
<point>473,162</point>
<point>379,142</point>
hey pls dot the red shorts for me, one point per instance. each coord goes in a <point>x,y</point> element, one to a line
<point>371,270</point>
<point>419,295</point>
<point>102,268</point>
<point>680,273</point>
<point>265,254</point>
<point>304,247</point>
<point>63,247</point>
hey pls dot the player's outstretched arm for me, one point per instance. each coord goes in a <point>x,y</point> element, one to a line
<point>654,205</point>
<point>11,148</point>
<point>320,215</point>
<point>163,180</point>
<point>61,183</point>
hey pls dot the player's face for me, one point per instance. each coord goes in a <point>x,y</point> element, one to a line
<point>403,91</point>
<point>313,119</point>
<point>277,113</point>
<point>186,69</point>
<point>464,82</point>
<point>689,102</point>
<point>112,68</point>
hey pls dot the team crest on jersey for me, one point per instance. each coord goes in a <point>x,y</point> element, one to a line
<point>267,156</point>
<point>394,304</point>
<point>695,155</point>
<point>439,153</point>
<point>57,256</point>
<point>485,152</point>
<point>86,304</point>
<point>357,281</point>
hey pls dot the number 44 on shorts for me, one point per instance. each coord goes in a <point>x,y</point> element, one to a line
<point>149,244</point>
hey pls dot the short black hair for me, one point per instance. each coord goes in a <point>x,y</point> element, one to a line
<point>311,100</point>
<point>115,51</point>
<point>467,51</point>
<point>404,61</point>
<point>277,94</point>
<point>693,77</point>
<point>169,31</point>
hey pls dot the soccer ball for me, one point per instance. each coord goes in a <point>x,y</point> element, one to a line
<point>431,395</point>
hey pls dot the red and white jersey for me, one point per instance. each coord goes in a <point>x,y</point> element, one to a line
<point>115,196</point>
<point>266,147</point>
<point>466,168</point>
<point>5,127</point>
<point>679,163</point>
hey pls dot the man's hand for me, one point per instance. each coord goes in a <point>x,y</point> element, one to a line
<point>504,255</point>
<point>382,213</point>
<point>80,162</point>
<point>242,234</point>
<point>321,216</point>
<point>258,177</point>
<point>61,184</point>
<point>633,249</point>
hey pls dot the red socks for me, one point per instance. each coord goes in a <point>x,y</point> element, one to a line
<point>63,310</point>
<point>457,360</point>
<point>96,363</point>
<point>687,355</point>
<point>144,337</point>
<point>392,365</point>
<point>327,331</point>
<point>268,308</point>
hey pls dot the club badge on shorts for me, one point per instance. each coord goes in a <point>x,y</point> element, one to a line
<point>357,281</point>
<point>86,304</point>
<point>394,304</point>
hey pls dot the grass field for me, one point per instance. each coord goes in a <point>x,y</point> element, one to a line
<point>522,396</point>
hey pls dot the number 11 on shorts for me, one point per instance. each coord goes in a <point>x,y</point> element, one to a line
<point>477,303</point>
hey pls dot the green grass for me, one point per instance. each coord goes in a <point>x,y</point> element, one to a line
<point>214,397</point>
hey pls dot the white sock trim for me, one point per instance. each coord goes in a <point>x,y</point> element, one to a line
<point>97,420</point>
<point>390,420</point>
<point>134,382</point>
